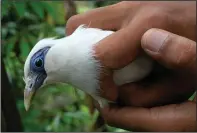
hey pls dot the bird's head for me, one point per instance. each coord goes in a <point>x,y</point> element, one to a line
<point>44,62</point>
<point>34,70</point>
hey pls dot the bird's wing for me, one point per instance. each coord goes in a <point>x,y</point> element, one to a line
<point>135,71</point>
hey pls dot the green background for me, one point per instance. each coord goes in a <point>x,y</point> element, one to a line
<point>57,107</point>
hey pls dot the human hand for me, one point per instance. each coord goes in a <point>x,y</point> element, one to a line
<point>131,20</point>
<point>174,52</point>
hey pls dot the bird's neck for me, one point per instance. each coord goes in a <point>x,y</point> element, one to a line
<point>73,64</point>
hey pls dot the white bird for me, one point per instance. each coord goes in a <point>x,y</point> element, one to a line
<point>72,60</point>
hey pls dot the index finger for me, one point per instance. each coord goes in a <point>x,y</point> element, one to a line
<point>102,18</point>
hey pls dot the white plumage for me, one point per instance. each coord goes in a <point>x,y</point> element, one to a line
<point>71,60</point>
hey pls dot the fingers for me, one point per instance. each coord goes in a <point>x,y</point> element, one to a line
<point>102,18</point>
<point>154,91</point>
<point>169,49</point>
<point>168,89</point>
<point>120,48</point>
<point>107,86</point>
<point>175,117</point>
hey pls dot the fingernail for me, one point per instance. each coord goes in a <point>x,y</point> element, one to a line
<point>153,40</point>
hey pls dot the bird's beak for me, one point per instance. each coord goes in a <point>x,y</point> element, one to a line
<point>33,83</point>
<point>28,96</point>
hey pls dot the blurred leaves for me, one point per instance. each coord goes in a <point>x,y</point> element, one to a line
<point>20,8</point>
<point>38,9</point>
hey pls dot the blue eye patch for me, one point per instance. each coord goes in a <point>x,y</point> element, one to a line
<point>37,61</point>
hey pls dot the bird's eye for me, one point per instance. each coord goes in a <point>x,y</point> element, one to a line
<point>39,62</point>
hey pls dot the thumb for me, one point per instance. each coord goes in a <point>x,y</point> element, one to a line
<point>169,49</point>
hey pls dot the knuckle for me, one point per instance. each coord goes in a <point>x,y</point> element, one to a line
<point>72,23</point>
<point>156,17</point>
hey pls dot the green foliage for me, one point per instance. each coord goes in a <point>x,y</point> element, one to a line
<point>55,108</point>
